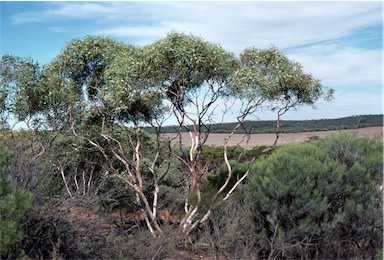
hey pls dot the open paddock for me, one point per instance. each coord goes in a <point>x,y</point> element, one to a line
<point>268,139</point>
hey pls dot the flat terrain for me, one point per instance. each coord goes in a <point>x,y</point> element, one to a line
<point>268,139</point>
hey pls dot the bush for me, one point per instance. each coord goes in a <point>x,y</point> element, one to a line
<point>14,205</point>
<point>219,177</point>
<point>229,232</point>
<point>239,159</point>
<point>26,169</point>
<point>319,199</point>
<point>47,237</point>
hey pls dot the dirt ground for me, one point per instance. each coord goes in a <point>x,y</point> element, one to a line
<point>268,139</point>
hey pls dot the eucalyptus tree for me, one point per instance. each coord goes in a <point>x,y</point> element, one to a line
<point>77,93</point>
<point>192,74</point>
<point>119,84</point>
<point>196,75</point>
<point>104,106</point>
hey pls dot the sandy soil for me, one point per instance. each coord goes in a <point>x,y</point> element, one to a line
<point>268,139</point>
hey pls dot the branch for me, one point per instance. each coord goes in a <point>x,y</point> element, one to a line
<point>61,169</point>
<point>241,119</point>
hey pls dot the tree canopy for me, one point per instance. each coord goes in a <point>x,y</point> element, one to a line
<point>270,75</point>
<point>134,83</point>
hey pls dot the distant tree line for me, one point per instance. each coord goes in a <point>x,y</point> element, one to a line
<point>291,126</point>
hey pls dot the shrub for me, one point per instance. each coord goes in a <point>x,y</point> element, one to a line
<point>239,159</point>
<point>228,231</point>
<point>14,205</point>
<point>26,169</point>
<point>319,199</point>
<point>219,177</point>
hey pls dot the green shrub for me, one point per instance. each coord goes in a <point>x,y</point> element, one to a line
<point>14,205</point>
<point>319,199</point>
<point>26,169</point>
<point>219,177</point>
<point>239,159</point>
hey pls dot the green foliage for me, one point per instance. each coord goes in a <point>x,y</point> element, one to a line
<point>213,156</point>
<point>183,66</point>
<point>130,84</point>
<point>83,63</point>
<point>129,94</point>
<point>170,173</point>
<point>115,195</point>
<point>239,159</point>
<point>20,87</point>
<point>5,154</point>
<point>271,75</point>
<point>219,177</point>
<point>188,61</point>
<point>14,205</point>
<point>319,199</point>
<point>90,73</point>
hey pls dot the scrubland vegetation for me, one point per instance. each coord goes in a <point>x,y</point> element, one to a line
<point>85,180</point>
<point>314,200</point>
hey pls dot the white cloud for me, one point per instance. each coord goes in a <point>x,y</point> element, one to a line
<point>142,34</point>
<point>64,10</point>
<point>235,25</point>
<point>284,24</point>
<point>344,104</point>
<point>344,67</point>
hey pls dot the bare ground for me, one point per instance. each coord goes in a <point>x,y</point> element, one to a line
<point>268,139</point>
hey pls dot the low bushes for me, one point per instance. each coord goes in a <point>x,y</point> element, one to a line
<point>316,200</point>
<point>14,206</point>
<point>319,199</point>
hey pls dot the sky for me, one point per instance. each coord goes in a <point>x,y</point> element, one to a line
<point>339,43</point>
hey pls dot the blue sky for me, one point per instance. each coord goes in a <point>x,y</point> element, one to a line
<point>340,43</point>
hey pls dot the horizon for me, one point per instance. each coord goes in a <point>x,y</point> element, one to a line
<point>285,120</point>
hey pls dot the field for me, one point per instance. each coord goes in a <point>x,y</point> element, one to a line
<point>268,139</point>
